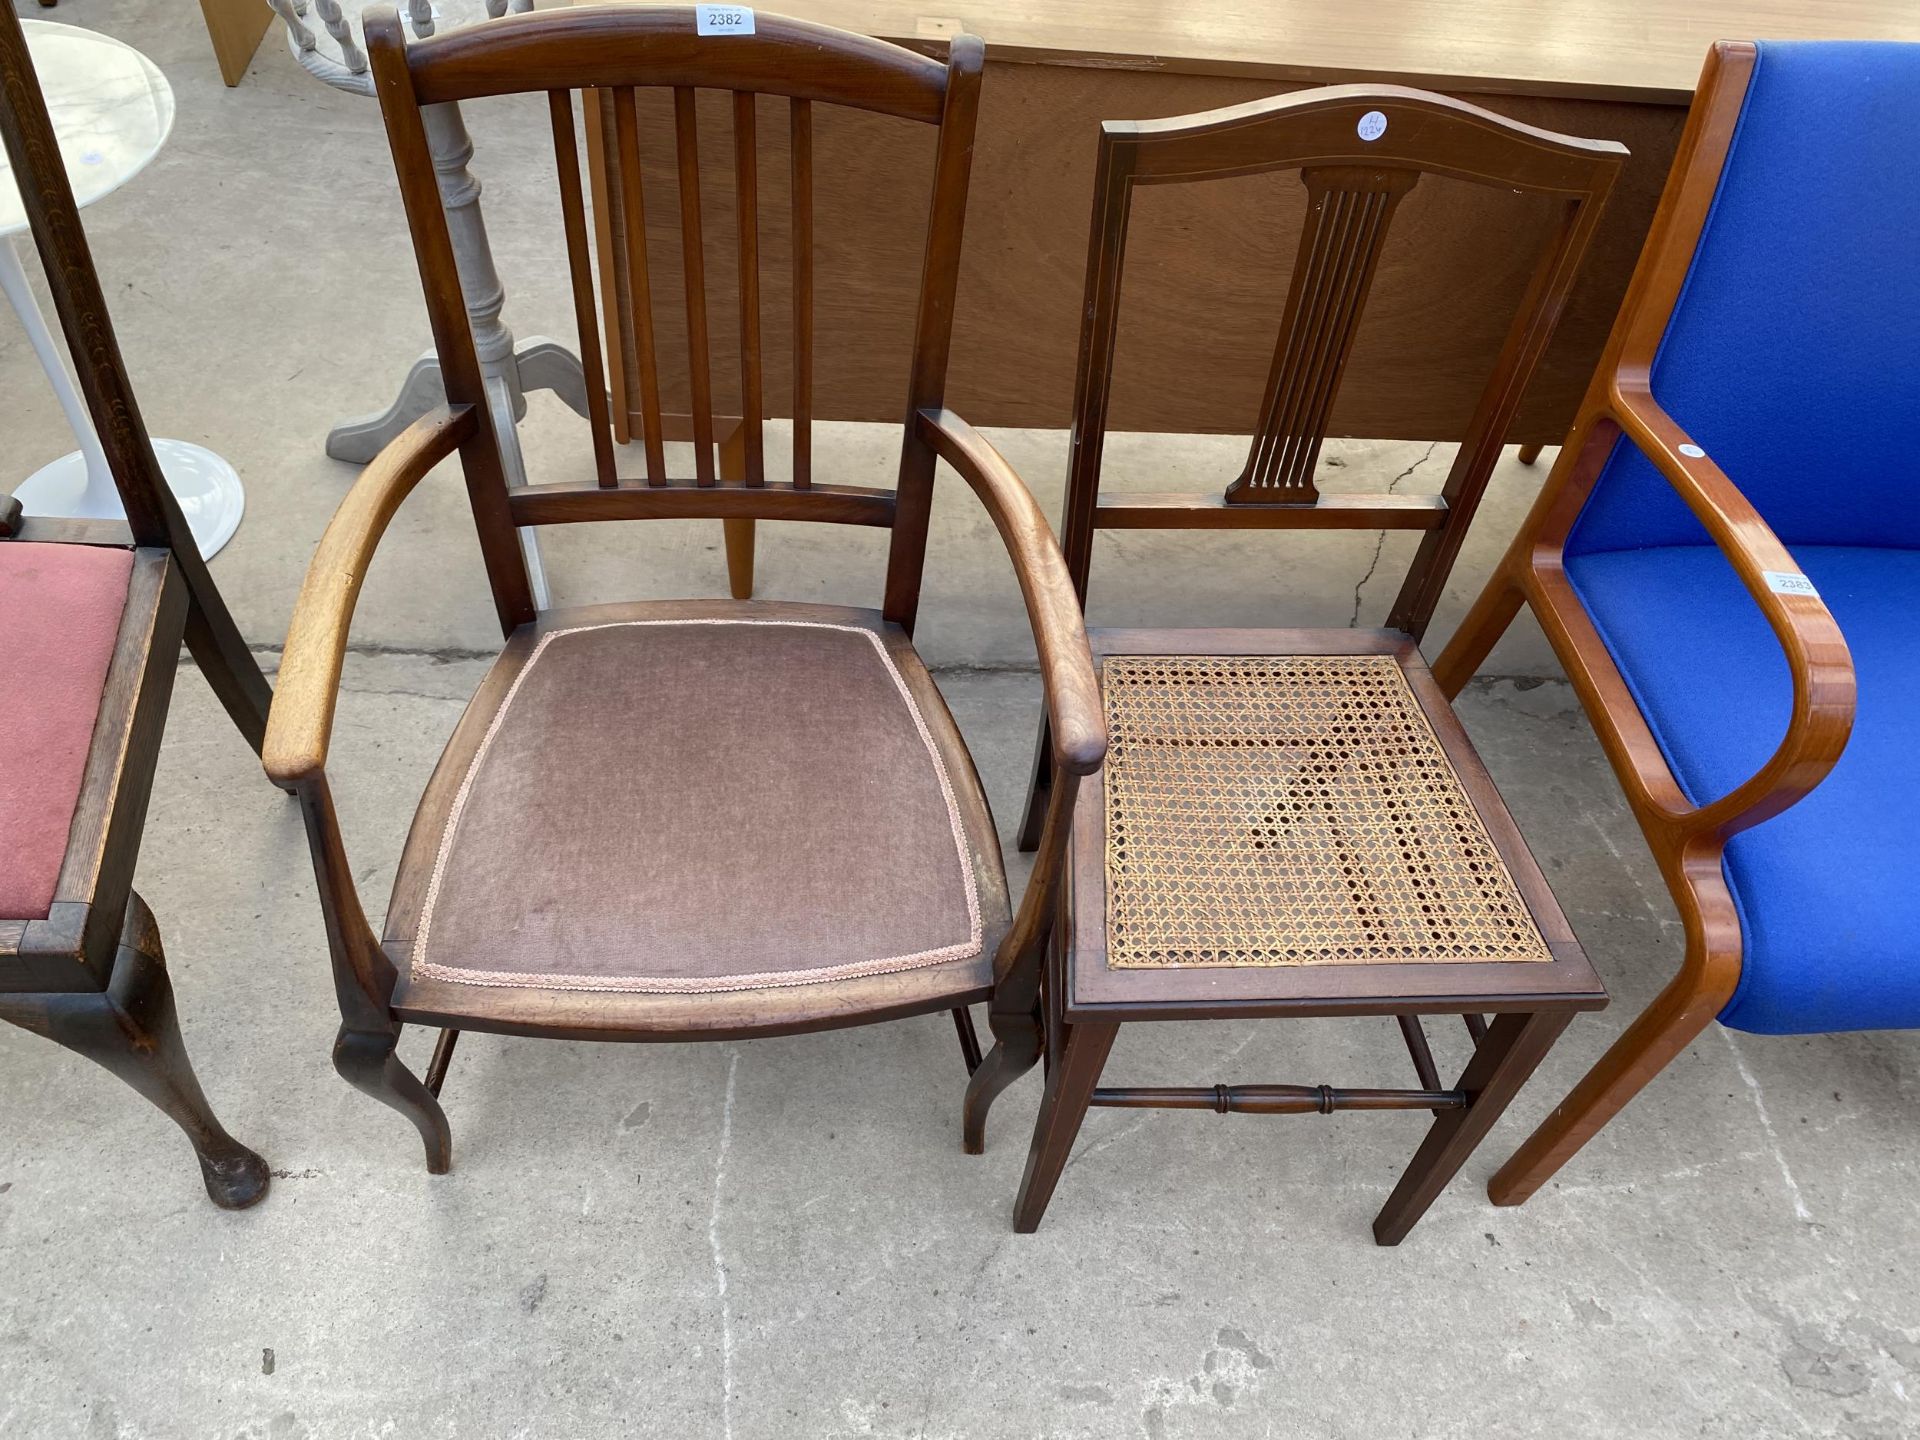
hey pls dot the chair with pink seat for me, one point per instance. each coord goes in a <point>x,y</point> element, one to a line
<point>92,616</point>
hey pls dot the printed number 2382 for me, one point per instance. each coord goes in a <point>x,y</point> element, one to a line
<point>722,20</point>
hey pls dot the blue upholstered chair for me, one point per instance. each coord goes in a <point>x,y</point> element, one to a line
<point>1729,546</point>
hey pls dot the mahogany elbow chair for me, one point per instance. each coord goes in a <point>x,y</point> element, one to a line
<point>92,616</point>
<point>1293,822</point>
<point>688,820</point>
<point>1727,547</point>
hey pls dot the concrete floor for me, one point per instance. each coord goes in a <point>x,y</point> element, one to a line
<point>782,1238</point>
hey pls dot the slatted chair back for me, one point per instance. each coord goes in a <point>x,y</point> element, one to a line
<point>610,53</point>
<point>1359,151</point>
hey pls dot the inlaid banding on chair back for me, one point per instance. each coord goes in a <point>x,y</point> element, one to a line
<point>1349,211</point>
<point>614,164</point>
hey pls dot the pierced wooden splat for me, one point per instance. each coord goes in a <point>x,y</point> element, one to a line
<point>1359,151</point>
<point>1349,211</point>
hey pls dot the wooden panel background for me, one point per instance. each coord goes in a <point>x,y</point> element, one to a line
<point>1644,50</point>
<point>1207,265</point>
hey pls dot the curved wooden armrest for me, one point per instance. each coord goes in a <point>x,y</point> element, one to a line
<point>1074,713</point>
<point>301,721</point>
<point>1816,651</point>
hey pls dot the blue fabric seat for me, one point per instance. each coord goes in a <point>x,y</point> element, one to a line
<point>1793,358</point>
<point>1829,891</point>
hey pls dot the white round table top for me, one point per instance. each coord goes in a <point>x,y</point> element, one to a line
<point>111,109</point>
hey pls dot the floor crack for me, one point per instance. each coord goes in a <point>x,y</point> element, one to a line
<point>1800,1209</point>
<point>719,1259</point>
<point>441,654</point>
<point>1380,541</point>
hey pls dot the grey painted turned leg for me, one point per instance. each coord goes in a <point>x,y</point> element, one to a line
<point>538,363</point>
<point>548,365</point>
<point>358,440</point>
<point>501,364</point>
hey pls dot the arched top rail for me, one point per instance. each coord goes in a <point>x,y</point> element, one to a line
<point>1389,126</point>
<point>608,46</point>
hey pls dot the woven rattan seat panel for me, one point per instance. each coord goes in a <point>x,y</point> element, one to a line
<point>1292,810</point>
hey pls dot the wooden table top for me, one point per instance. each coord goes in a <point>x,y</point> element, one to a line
<point>1644,50</point>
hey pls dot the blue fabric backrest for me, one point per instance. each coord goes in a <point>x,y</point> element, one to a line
<point>1793,355</point>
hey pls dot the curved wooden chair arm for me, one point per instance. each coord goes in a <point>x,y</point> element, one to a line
<point>1074,713</point>
<point>301,721</point>
<point>1816,651</point>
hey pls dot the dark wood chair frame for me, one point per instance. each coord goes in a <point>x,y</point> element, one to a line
<point>614,50</point>
<point>1355,185</point>
<point>92,975</point>
<point>1687,840</point>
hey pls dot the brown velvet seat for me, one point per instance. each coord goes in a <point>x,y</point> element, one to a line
<point>794,813</point>
<point>60,608</point>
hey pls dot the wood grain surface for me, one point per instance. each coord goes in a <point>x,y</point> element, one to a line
<point>1207,267</point>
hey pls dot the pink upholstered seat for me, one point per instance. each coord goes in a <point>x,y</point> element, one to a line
<point>60,611</point>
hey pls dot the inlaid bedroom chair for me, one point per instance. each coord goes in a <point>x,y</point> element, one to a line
<point>92,615</point>
<point>1730,541</point>
<point>683,820</point>
<point>1292,822</point>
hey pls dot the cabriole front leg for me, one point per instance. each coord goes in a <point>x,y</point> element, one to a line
<point>366,1061</point>
<point>1016,1050</point>
<point>1013,1015</point>
<point>133,1030</point>
<point>363,982</point>
<point>1014,1012</point>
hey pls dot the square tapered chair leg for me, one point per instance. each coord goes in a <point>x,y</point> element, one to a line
<point>1070,1085</point>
